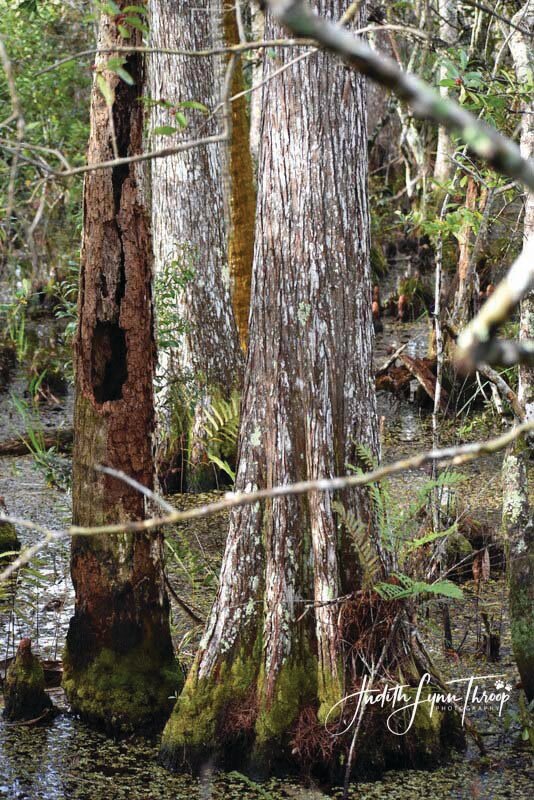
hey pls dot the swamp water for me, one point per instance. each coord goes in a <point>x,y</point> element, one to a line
<point>65,760</point>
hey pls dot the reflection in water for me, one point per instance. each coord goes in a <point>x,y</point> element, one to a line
<point>410,427</point>
<point>66,760</point>
<point>40,601</point>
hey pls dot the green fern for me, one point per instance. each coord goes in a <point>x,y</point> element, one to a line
<point>221,426</point>
<point>408,588</point>
<point>362,544</point>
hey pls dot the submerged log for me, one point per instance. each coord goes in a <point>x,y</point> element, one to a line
<point>397,379</point>
<point>24,688</point>
<point>60,438</point>
<point>421,370</point>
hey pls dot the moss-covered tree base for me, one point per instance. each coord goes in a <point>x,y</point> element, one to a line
<point>9,541</point>
<point>25,697</point>
<point>224,722</point>
<point>123,693</point>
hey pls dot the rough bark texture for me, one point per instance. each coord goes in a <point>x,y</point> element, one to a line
<point>188,215</point>
<point>518,516</point>
<point>274,647</point>
<point>242,193</point>
<point>119,663</point>
<point>257,24</point>
<point>448,32</point>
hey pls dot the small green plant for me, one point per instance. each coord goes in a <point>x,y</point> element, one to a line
<point>524,718</point>
<point>54,469</point>
<point>169,285</point>
<point>400,538</point>
<point>405,588</point>
<point>14,318</point>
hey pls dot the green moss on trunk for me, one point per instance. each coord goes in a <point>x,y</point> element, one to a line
<point>123,692</point>
<point>190,735</point>
<point>330,692</point>
<point>24,688</point>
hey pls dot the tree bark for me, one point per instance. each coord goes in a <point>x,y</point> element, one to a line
<point>517,512</point>
<point>278,645</point>
<point>119,663</point>
<point>188,219</point>
<point>448,32</point>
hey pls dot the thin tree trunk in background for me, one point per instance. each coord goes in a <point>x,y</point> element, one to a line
<point>277,646</point>
<point>463,301</point>
<point>119,663</point>
<point>188,226</point>
<point>448,32</point>
<point>517,513</point>
<point>241,192</point>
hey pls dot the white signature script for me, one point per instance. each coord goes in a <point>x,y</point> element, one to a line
<point>405,700</point>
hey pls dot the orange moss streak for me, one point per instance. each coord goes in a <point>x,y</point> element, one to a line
<point>242,200</point>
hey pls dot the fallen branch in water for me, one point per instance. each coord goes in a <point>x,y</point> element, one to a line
<point>60,438</point>
<point>447,456</point>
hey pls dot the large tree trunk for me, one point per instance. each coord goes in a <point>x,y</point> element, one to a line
<point>188,225</point>
<point>119,663</point>
<point>278,643</point>
<point>518,515</point>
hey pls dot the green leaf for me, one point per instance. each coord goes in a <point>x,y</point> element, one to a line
<point>181,119</point>
<point>222,465</point>
<point>194,104</point>
<point>137,23</point>
<point>105,90</point>
<point>126,77</point>
<point>164,130</point>
<point>443,588</point>
<point>134,10</point>
<point>111,8</point>
<point>409,588</point>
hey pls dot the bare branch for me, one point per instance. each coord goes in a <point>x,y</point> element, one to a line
<point>448,456</point>
<point>235,49</point>
<point>493,13</point>
<point>476,343</point>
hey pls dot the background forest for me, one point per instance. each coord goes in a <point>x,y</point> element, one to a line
<point>266,397</point>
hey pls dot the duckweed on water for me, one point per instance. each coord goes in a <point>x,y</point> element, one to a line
<point>68,761</point>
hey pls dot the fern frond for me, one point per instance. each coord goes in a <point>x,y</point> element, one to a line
<point>221,425</point>
<point>408,588</point>
<point>361,542</point>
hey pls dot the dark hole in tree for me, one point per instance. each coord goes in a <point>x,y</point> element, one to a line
<point>109,369</point>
